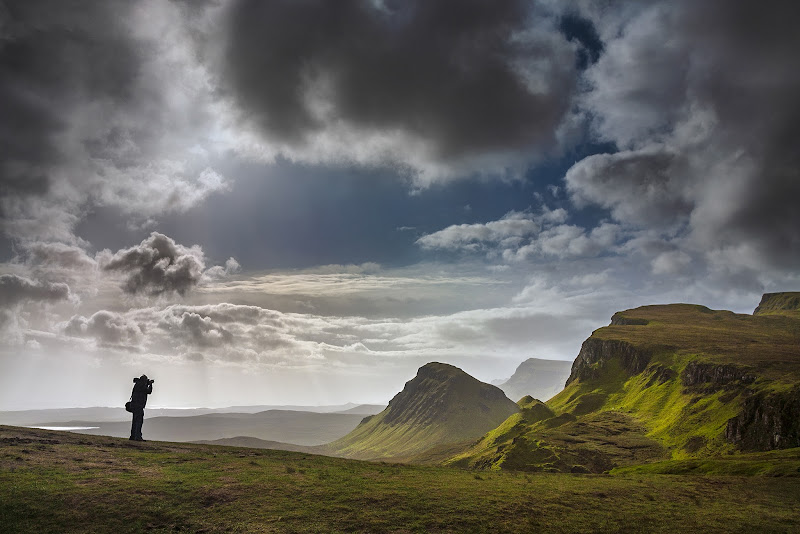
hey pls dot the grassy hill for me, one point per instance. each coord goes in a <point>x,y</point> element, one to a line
<point>541,379</point>
<point>671,382</point>
<point>442,405</point>
<point>58,482</point>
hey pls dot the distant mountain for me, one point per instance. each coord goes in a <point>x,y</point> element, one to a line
<point>441,405</point>
<point>667,382</point>
<point>365,409</point>
<point>289,426</point>
<point>109,414</point>
<point>541,379</point>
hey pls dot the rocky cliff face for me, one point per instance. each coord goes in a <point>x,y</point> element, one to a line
<point>785,301</point>
<point>596,353</point>
<point>767,421</point>
<point>714,377</point>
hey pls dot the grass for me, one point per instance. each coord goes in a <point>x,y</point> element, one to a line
<point>777,463</point>
<point>61,482</point>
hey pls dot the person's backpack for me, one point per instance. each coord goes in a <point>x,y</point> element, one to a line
<point>129,405</point>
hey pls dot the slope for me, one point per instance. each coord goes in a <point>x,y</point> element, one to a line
<point>667,382</point>
<point>441,405</point>
<point>62,482</point>
<point>541,379</point>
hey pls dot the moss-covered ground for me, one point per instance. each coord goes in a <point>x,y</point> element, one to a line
<point>61,482</point>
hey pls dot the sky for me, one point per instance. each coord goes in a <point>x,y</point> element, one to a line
<point>302,202</point>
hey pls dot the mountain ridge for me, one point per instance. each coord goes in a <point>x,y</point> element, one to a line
<point>663,382</point>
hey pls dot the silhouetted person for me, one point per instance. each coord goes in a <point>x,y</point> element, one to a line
<point>142,387</point>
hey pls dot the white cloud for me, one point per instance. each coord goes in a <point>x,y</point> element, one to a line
<point>521,236</point>
<point>673,262</point>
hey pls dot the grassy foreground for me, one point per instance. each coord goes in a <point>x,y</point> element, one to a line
<point>62,482</point>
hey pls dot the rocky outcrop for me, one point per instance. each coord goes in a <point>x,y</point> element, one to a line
<point>659,375</point>
<point>596,353</point>
<point>710,377</point>
<point>784,301</point>
<point>767,421</point>
<point>620,320</point>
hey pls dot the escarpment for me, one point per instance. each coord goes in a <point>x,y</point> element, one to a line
<point>778,302</point>
<point>713,377</point>
<point>662,382</point>
<point>596,354</point>
<point>767,421</point>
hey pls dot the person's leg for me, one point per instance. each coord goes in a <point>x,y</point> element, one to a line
<point>133,426</point>
<point>138,419</point>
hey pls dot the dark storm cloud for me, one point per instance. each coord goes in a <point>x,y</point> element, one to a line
<point>464,77</point>
<point>53,55</point>
<point>715,84</point>
<point>103,104</point>
<point>16,289</point>
<point>156,266</point>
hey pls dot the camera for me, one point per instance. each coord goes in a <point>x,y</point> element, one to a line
<point>136,380</point>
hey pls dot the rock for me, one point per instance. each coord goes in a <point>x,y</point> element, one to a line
<point>767,422</point>
<point>786,300</point>
<point>595,353</point>
<point>620,320</point>
<point>711,377</point>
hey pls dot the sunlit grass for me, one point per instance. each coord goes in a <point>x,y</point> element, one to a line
<point>96,484</point>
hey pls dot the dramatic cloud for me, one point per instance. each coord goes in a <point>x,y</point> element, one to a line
<point>94,114</point>
<point>702,97</point>
<point>418,84</point>
<point>639,187</point>
<point>157,265</point>
<point>16,289</point>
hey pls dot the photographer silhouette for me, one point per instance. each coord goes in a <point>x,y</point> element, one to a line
<point>142,387</point>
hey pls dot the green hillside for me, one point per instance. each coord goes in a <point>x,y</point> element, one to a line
<point>670,382</point>
<point>59,482</point>
<point>442,405</point>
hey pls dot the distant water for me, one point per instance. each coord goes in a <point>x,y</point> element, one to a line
<point>64,427</point>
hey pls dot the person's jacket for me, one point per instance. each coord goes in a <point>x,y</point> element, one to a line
<point>141,390</point>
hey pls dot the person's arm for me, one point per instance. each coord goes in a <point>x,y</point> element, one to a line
<point>149,388</point>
